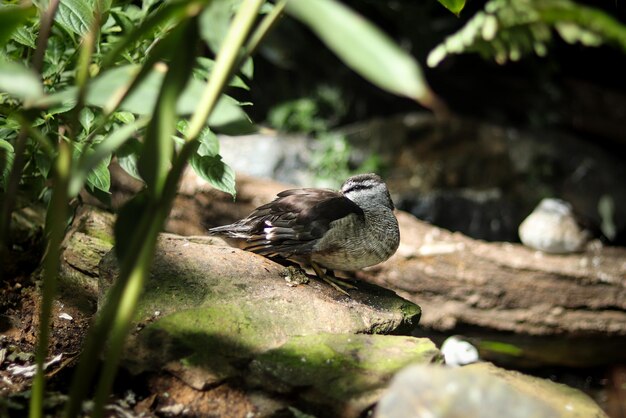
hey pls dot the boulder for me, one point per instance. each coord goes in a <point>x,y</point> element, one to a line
<point>480,391</point>
<point>208,308</point>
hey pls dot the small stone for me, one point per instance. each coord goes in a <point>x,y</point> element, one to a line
<point>66,316</point>
<point>553,228</point>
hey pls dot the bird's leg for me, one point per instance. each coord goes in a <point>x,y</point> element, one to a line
<point>333,281</point>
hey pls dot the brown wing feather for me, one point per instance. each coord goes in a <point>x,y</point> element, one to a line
<point>293,222</point>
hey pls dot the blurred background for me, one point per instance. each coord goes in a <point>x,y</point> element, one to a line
<point>535,115</point>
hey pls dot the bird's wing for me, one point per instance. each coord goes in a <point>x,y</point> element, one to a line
<point>295,220</point>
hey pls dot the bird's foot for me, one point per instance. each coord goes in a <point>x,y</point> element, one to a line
<point>294,275</point>
<point>338,284</point>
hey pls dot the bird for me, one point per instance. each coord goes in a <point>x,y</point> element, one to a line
<point>344,230</point>
<point>553,227</point>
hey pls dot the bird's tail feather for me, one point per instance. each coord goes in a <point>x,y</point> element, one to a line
<point>231,231</point>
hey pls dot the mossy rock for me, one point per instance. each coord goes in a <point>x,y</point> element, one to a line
<point>207,309</point>
<point>341,373</point>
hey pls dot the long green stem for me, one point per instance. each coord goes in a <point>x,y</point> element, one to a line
<point>264,27</point>
<point>123,318</point>
<point>226,59</point>
<point>128,303</point>
<point>56,219</point>
<point>98,332</point>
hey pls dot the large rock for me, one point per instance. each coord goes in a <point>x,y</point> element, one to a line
<point>208,308</point>
<point>480,391</point>
<point>338,374</point>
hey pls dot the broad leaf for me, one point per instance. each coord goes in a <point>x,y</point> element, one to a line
<point>19,81</point>
<point>206,67</point>
<point>100,177</point>
<point>227,115</point>
<point>86,118</point>
<point>127,156</point>
<point>25,36</point>
<point>171,11</point>
<point>455,6</point>
<point>100,152</point>
<point>75,16</point>
<point>215,171</point>
<point>13,17</point>
<point>215,21</point>
<point>142,100</point>
<point>209,144</point>
<point>363,47</point>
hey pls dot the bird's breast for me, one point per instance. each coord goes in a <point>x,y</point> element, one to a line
<point>353,243</point>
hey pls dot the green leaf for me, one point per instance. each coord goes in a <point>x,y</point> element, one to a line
<point>501,348</point>
<point>76,16</point>
<point>124,117</point>
<point>455,6</point>
<point>171,11</point>
<point>209,144</point>
<point>215,171</point>
<point>507,30</point>
<point>13,17</point>
<point>100,152</point>
<point>7,155</point>
<point>247,68</point>
<point>143,98</point>
<point>206,66</point>
<point>19,81</point>
<point>128,155</point>
<point>43,162</point>
<point>363,47</point>
<point>25,36</point>
<point>100,177</point>
<point>154,162</point>
<point>215,21</point>
<point>86,118</point>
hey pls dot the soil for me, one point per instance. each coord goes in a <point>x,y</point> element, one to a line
<point>147,396</point>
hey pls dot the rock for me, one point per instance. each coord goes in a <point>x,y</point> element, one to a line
<point>457,351</point>
<point>207,309</point>
<point>480,391</point>
<point>284,157</point>
<point>338,374</point>
<point>553,228</point>
<point>90,237</point>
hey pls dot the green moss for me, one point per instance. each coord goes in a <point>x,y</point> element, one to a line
<point>411,312</point>
<point>342,365</point>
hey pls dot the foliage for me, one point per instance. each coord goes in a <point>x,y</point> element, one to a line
<point>83,82</point>
<point>58,79</point>
<point>333,157</point>
<point>455,6</point>
<point>333,160</point>
<point>312,114</point>
<point>510,29</point>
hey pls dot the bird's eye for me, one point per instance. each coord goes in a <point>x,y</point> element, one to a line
<point>358,186</point>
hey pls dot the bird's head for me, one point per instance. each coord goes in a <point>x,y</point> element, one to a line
<point>367,190</point>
